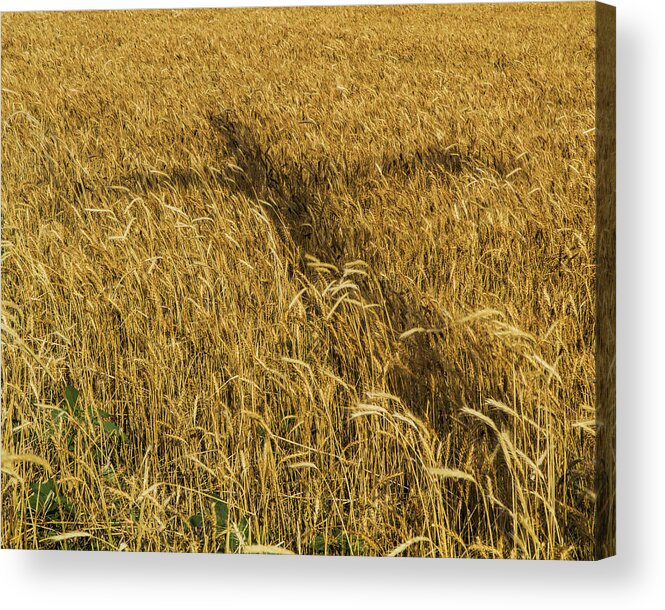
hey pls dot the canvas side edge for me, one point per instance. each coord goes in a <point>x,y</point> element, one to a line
<point>605,475</point>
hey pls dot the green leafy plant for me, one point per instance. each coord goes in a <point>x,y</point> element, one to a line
<point>91,421</point>
<point>47,500</point>
<point>233,534</point>
<point>339,543</point>
<point>77,427</point>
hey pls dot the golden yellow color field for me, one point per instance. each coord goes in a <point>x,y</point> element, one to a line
<point>300,280</point>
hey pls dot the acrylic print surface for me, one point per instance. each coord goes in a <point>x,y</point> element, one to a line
<point>329,281</point>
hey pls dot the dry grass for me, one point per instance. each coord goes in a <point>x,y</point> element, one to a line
<point>323,278</point>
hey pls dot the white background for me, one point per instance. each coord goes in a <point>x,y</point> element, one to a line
<point>630,580</point>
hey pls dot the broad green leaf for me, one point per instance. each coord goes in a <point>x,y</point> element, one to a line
<point>44,496</point>
<point>221,514</point>
<point>319,543</point>
<point>110,428</point>
<point>71,396</point>
<point>196,520</point>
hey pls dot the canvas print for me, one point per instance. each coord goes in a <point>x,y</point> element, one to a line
<point>318,281</point>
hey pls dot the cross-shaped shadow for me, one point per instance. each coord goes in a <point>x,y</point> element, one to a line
<point>297,196</point>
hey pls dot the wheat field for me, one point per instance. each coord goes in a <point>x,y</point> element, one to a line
<point>312,281</point>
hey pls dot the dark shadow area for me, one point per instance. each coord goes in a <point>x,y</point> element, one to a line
<point>297,191</point>
<point>177,177</point>
<point>295,198</point>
